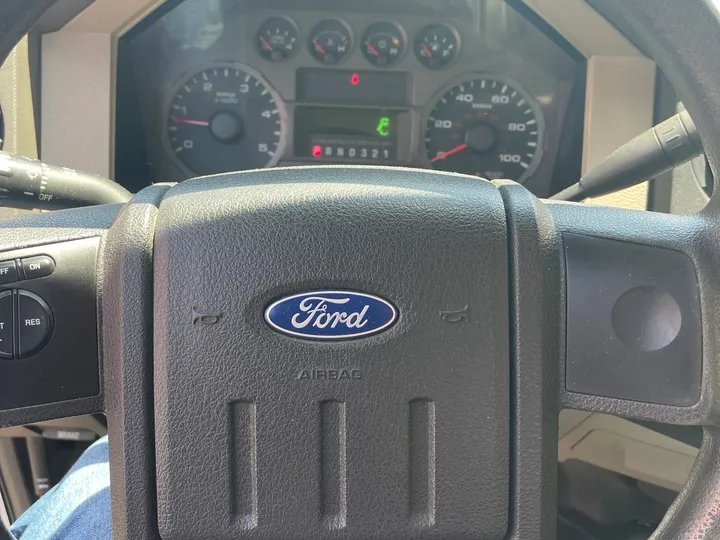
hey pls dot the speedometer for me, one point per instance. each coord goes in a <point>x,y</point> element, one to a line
<point>487,127</point>
<point>225,118</point>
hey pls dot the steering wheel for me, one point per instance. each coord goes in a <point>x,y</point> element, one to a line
<point>442,421</point>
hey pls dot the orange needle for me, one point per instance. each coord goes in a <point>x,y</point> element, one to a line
<point>449,153</point>
<point>190,122</point>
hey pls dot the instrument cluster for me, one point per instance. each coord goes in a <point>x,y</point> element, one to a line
<point>275,88</point>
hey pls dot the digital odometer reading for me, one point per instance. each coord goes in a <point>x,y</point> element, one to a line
<point>345,134</point>
<point>225,119</point>
<point>485,127</point>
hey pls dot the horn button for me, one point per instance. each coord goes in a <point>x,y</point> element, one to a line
<point>332,356</point>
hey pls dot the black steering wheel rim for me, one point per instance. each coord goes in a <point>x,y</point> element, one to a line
<point>682,38</point>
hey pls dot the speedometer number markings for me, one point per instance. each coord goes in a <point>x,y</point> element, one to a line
<point>485,127</point>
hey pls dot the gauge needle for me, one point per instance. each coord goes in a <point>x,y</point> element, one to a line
<point>372,49</point>
<point>318,48</point>
<point>190,122</point>
<point>427,51</point>
<point>266,44</point>
<point>449,153</point>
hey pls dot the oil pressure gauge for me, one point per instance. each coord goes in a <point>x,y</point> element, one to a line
<point>277,39</point>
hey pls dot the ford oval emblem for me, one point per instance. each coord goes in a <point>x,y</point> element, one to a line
<point>331,315</point>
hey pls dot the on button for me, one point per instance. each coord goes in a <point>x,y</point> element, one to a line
<point>37,267</point>
<point>34,323</point>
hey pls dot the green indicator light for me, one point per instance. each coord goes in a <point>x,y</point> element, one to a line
<point>383,127</point>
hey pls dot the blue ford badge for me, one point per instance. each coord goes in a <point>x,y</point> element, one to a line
<point>331,315</point>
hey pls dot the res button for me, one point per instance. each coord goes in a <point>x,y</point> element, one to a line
<point>34,323</point>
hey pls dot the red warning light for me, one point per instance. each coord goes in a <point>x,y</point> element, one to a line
<point>355,79</point>
<point>317,150</point>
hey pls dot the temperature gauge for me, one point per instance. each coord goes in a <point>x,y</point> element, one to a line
<point>436,46</point>
<point>384,43</point>
<point>330,41</point>
<point>277,39</point>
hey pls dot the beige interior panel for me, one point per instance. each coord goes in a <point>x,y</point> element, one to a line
<point>619,101</point>
<point>18,113</point>
<point>76,101</point>
<point>16,103</point>
<point>619,105</point>
<point>78,85</point>
<point>627,448</point>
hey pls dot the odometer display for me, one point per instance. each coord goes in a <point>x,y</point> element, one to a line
<point>486,127</point>
<point>224,119</point>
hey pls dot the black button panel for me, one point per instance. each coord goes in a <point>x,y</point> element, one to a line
<point>48,328</point>
<point>26,323</point>
<point>34,323</point>
<point>37,267</point>
<point>8,272</point>
<point>7,324</point>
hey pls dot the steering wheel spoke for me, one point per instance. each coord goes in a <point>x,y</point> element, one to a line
<point>50,364</point>
<point>638,342</point>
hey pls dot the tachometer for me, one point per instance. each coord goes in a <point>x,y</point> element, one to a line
<point>487,127</point>
<point>225,118</point>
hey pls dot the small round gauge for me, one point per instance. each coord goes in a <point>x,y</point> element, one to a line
<point>383,44</point>
<point>330,41</point>
<point>225,118</point>
<point>277,39</point>
<point>436,46</point>
<point>488,127</point>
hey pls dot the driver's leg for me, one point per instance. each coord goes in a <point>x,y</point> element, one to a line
<point>78,508</point>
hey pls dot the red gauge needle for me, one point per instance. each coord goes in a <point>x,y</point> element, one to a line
<point>265,44</point>
<point>372,49</point>
<point>318,48</point>
<point>449,153</point>
<point>427,51</point>
<point>190,122</point>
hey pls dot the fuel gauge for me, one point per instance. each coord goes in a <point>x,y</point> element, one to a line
<point>436,46</point>
<point>330,41</point>
<point>384,44</point>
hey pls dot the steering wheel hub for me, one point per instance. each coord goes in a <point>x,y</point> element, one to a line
<point>393,428</point>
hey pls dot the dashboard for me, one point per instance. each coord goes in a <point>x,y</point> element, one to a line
<point>211,86</point>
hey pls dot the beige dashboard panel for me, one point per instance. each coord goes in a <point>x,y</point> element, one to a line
<point>78,81</point>
<point>16,103</point>
<point>620,91</point>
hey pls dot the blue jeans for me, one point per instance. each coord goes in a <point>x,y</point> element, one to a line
<point>78,508</point>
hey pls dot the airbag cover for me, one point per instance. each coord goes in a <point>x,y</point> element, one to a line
<point>402,433</point>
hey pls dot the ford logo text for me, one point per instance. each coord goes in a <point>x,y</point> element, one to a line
<point>331,315</point>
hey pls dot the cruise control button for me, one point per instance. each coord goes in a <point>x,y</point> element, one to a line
<point>8,272</point>
<point>37,267</point>
<point>34,323</point>
<point>6,325</point>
